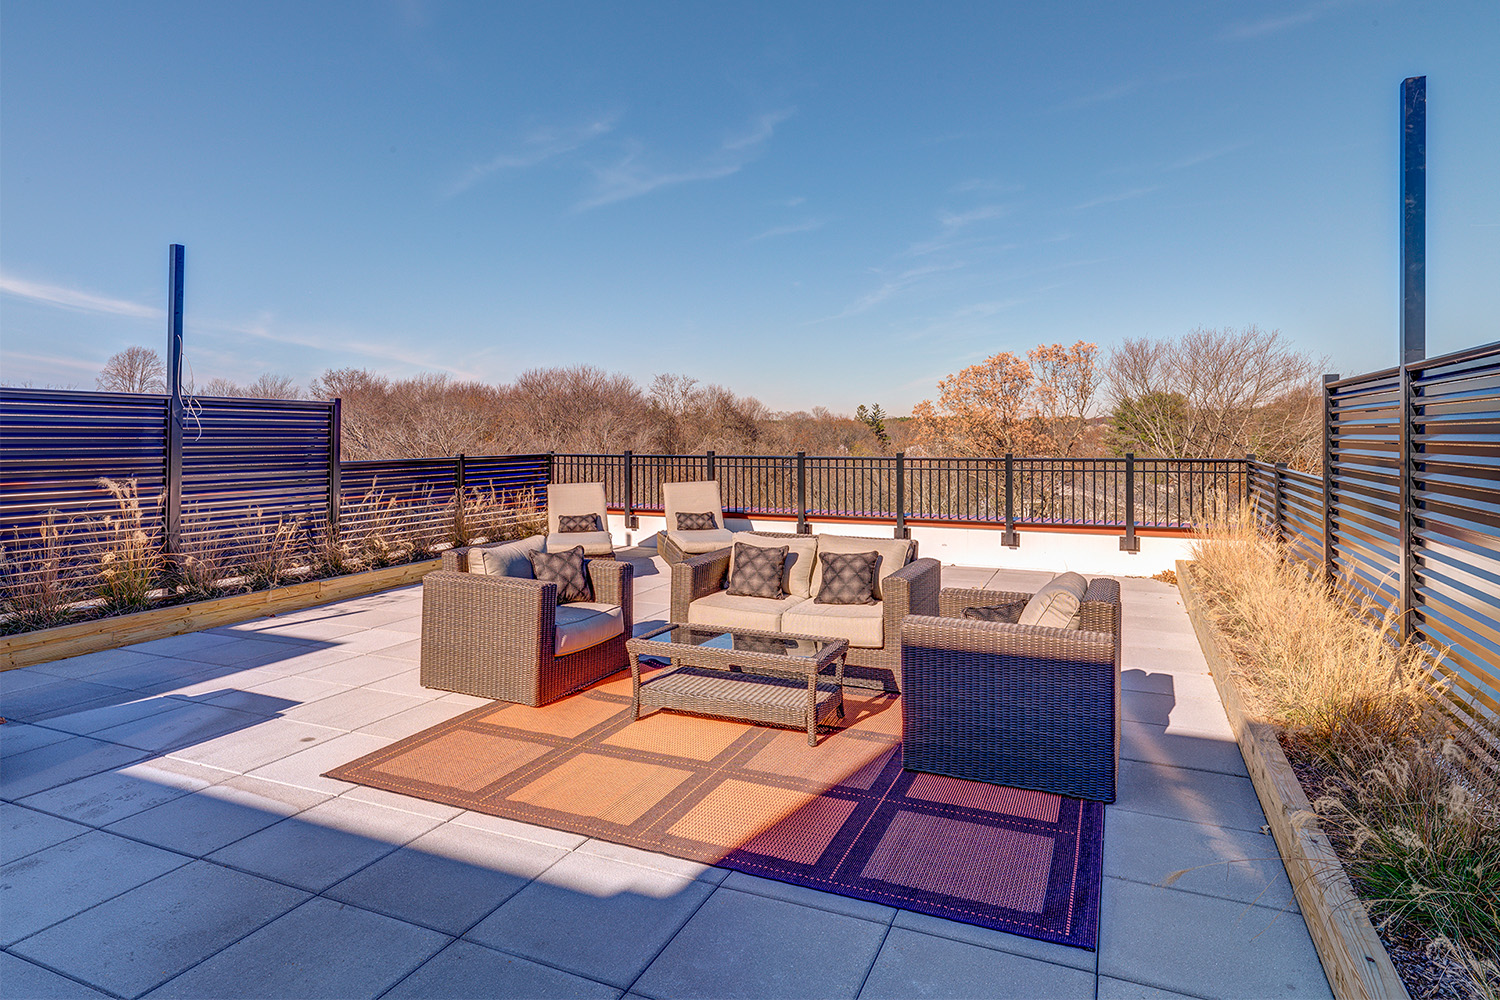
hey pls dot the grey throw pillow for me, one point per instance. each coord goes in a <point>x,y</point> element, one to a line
<point>696,522</point>
<point>848,578</point>
<point>1008,613</point>
<point>571,524</point>
<point>568,570</point>
<point>756,571</point>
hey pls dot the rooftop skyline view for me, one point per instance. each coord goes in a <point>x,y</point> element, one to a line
<point>821,206</point>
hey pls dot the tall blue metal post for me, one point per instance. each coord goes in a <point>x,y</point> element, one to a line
<point>173,470</point>
<point>1413,319</point>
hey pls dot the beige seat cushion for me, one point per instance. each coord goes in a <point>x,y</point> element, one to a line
<point>583,625</point>
<point>595,543</point>
<point>861,624</point>
<point>698,542</point>
<point>801,553</point>
<point>1056,603</point>
<point>893,554</point>
<point>510,559</point>
<point>724,610</point>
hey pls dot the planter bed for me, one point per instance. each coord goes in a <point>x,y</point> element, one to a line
<point>43,645</point>
<point>1356,962</point>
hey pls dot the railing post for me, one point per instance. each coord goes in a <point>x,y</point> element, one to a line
<point>1330,544</point>
<point>712,466</point>
<point>335,470</point>
<point>802,493</point>
<point>1249,486</point>
<point>460,475</point>
<point>1009,537</point>
<point>631,521</point>
<point>1278,504</point>
<point>901,529</point>
<point>1408,520</point>
<point>1130,543</point>
<point>172,474</point>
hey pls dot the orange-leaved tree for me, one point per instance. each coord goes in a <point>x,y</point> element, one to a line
<point>1006,404</point>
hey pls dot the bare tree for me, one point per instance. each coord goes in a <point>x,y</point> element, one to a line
<point>135,369</point>
<point>1067,379</point>
<point>265,386</point>
<point>1215,393</point>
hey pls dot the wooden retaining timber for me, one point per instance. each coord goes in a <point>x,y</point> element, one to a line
<point>44,645</point>
<point>1356,963</point>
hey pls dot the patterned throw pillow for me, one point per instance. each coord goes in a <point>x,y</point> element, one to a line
<point>696,522</point>
<point>574,523</point>
<point>848,578</point>
<point>1008,613</point>
<point>756,571</point>
<point>566,569</point>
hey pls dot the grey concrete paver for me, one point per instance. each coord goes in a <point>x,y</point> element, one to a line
<point>19,737</point>
<point>188,723</point>
<point>447,879</point>
<point>413,720</point>
<point>57,763</point>
<point>1184,793</point>
<point>348,710</point>
<point>358,669</point>
<point>25,831</point>
<point>243,651</point>
<point>986,937</point>
<point>21,978</point>
<point>1213,860</point>
<point>274,695</point>
<point>805,896</point>
<point>743,945</point>
<point>137,940</point>
<point>319,949</point>
<point>89,664</point>
<point>108,796</point>
<point>217,816</point>
<point>1204,714</point>
<point>1177,746</point>
<point>128,709</point>
<point>407,680</point>
<point>465,969</point>
<point>402,803</point>
<point>160,675</point>
<point>1120,989</point>
<point>521,831</point>
<point>257,745</point>
<point>602,919</point>
<point>919,965</point>
<point>681,867</point>
<point>58,696</point>
<point>1183,941</point>
<point>305,768</point>
<point>49,885</point>
<point>324,844</point>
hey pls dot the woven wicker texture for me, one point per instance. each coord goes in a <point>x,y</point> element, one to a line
<point>842,817</point>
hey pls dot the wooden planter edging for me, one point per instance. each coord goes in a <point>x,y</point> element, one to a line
<point>1356,963</point>
<point>44,645</point>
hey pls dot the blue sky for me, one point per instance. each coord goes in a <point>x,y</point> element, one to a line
<point>815,204</point>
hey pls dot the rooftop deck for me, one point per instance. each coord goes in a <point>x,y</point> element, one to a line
<point>164,830</point>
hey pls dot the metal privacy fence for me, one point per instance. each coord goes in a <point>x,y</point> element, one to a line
<point>1095,493</point>
<point>1408,511</point>
<point>249,469</point>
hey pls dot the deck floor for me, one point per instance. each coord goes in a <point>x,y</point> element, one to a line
<point>164,831</point>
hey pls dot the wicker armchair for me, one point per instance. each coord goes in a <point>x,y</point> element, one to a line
<point>911,589</point>
<point>495,636</point>
<point>1018,705</point>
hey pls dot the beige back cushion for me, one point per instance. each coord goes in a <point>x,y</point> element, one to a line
<point>801,554</point>
<point>576,498</point>
<point>692,498</point>
<point>1056,603</point>
<point>510,559</point>
<point>894,553</point>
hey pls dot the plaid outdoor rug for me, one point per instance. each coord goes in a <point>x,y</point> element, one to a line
<point>842,817</point>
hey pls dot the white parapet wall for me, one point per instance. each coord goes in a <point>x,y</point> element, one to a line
<point>1090,553</point>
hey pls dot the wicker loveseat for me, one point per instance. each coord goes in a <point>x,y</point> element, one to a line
<point>907,585</point>
<point>1019,705</point>
<point>501,634</point>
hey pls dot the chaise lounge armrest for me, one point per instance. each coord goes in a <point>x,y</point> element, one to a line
<point>1099,611</point>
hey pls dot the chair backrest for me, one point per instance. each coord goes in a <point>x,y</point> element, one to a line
<point>576,498</point>
<point>692,498</point>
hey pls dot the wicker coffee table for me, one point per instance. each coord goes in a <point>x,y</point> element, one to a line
<point>775,678</point>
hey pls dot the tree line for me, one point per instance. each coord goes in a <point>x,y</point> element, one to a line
<point>1212,393</point>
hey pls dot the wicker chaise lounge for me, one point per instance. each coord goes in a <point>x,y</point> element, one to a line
<point>675,544</point>
<point>500,636</point>
<point>1020,705</point>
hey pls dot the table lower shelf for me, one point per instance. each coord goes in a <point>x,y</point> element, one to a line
<point>750,697</point>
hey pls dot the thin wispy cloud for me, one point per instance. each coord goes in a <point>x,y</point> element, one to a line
<point>958,220</point>
<point>538,147</point>
<point>1195,159</point>
<point>893,285</point>
<point>70,362</point>
<point>1111,199</point>
<point>75,299</point>
<point>634,174</point>
<point>787,230</point>
<point>1266,26</point>
<point>1105,96</point>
